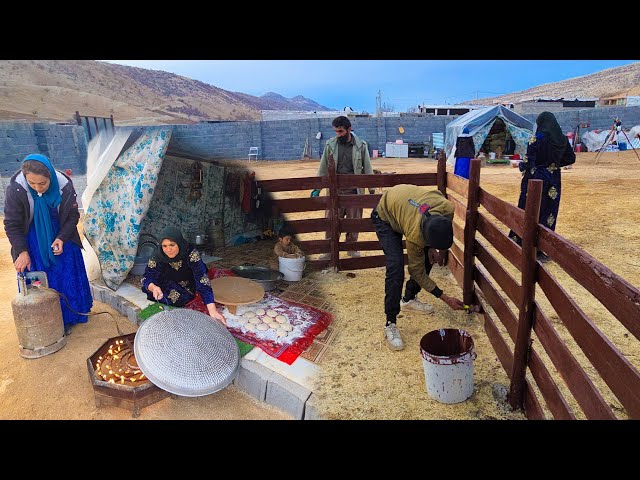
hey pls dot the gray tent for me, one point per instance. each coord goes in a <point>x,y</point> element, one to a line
<point>479,123</point>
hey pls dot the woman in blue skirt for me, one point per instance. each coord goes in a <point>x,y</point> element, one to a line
<point>41,218</point>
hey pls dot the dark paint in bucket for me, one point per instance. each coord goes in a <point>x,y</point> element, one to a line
<point>446,346</point>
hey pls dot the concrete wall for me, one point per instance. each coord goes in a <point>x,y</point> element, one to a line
<point>535,108</point>
<point>65,145</point>
<point>285,139</point>
<point>276,140</point>
<point>598,118</point>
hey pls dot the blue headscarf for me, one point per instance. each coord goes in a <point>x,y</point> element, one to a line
<point>41,215</point>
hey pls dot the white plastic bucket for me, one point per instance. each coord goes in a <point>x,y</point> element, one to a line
<point>447,358</point>
<point>291,268</point>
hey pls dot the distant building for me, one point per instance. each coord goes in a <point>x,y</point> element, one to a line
<point>549,104</point>
<point>447,109</point>
<point>620,101</point>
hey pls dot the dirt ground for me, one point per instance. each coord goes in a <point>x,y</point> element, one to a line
<point>57,386</point>
<point>361,378</point>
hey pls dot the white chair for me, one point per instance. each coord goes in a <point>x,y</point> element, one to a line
<point>253,152</point>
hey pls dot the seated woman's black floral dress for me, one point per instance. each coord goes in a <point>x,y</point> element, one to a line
<point>179,280</point>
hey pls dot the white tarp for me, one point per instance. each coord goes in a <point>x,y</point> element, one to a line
<point>477,120</point>
<point>118,194</point>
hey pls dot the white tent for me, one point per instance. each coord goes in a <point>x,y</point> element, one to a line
<point>479,123</point>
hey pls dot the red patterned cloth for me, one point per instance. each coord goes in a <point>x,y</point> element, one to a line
<point>306,320</point>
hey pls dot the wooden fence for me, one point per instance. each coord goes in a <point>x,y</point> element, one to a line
<point>478,272</point>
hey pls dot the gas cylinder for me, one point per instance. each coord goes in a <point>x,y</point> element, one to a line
<point>37,316</point>
<point>215,232</point>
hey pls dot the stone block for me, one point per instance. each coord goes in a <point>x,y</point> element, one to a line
<point>287,395</point>
<point>253,379</point>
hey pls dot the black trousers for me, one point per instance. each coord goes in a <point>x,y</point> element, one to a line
<point>391,242</point>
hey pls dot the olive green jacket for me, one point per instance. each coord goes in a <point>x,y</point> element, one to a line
<point>361,158</point>
<point>395,209</point>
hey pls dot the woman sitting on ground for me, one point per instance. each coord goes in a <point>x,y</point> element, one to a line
<point>176,271</point>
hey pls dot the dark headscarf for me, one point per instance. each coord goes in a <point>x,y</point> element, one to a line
<point>548,125</point>
<point>171,233</point>
<point>41,216</point>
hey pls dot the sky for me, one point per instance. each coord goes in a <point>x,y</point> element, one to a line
<point>402,84</point>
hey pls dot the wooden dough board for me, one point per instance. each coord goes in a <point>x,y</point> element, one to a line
<point>234,291</point>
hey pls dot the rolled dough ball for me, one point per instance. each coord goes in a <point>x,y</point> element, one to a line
<point>260,311</point>
<point>286,327</point>
<point>281,319</point>
<point>250,327</point>
<point>255,320</point>
<point>274,325</point>
<point>249,314</point>
<point>272,313</point>
<point>242,320</point>
<point>262,327</point>
<point>281,333</point>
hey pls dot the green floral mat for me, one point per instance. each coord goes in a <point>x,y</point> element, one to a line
<point>156,307</point>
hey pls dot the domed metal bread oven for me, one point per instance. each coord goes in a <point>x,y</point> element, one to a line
<point>186,352</point>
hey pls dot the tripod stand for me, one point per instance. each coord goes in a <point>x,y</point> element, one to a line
<point>616,127</point>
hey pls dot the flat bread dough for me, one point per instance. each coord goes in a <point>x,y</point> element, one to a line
<point>242,320</point>
<point>260,311</point>
<point>281,333</point>
<point>250,327</point>
<point>286,327</point>
<point>255,320</point>
<point>249,314</point>
<point>281,319</point>
<point>274,325</point>
<point>272,313</point>
<point>262,327</point>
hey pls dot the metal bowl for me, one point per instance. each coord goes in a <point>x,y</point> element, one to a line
<point>262,275</point>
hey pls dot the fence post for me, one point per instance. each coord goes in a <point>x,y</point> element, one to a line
<point>470,224</point>
<point>334,231</point>
<point>442,172</point>
<point>78,119</point>
<point>526,307</point>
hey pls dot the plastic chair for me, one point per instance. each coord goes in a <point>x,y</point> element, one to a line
<point>253,152</point>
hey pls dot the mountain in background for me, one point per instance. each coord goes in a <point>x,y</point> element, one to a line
<point>618,81</point>
<point>54,90</point>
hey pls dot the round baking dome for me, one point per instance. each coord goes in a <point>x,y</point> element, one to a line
<point>186,352</point>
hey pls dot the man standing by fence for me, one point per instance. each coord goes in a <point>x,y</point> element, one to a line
<point>351,156</point>
<point>424,217</point>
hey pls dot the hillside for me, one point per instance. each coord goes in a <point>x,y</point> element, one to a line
<point>55,89</point>
<point>623,80</point>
